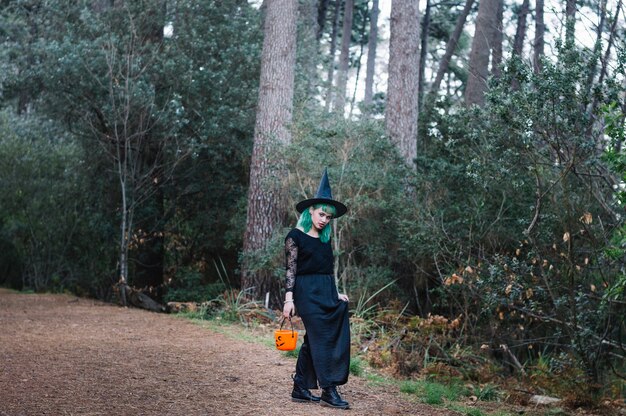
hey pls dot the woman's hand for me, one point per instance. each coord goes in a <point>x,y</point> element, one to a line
<point>343,297</point>
<point>288,309</point>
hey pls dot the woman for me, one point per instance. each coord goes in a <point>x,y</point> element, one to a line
<point>324,357</point>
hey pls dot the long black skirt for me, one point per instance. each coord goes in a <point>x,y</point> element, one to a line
<point>325,354</point>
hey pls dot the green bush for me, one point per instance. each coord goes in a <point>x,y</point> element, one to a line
<point>356,366</point>
<point>189,286</point>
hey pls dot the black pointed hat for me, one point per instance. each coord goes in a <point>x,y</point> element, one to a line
<point>323,196</point>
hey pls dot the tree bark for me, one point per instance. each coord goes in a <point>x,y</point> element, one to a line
<point>605,61</point>
<point>596,47</point>
<point>357,61</point>
<point>322,9</point>
<point>520,34</point>
<point>423,54</point>
<point>330,92</point>
<point>401,114</point>
<point>344,59</point>
<point>371,58</point>
<point>307,52</point>
<point>450,47</point>
<point>498,37</point>
<point>486,23</point>
<point>570,22</point>
<point>271,131</point>
<point>540,30</point>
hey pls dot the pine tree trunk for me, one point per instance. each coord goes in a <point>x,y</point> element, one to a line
<point>330,92</point>
<point>357,61</point>
<point>423,55</point>
<point>540,30</point>
<point>322,9</point>
<point>371,58</point>
<point>520,34</point>
<point>271,131</point>
<point>444,64</point>
<point>496,43</point>
<point>597,47</point>
<point>307,52</point>
<point>570,22</point>
<point>605,62</point>
<point>344,59</point>
<point>478,67</point>
<point>401,112</point>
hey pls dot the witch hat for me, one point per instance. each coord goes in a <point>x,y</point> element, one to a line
<point>323,196</point>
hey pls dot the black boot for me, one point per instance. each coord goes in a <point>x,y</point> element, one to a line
<point>331,398</point>
<point>299,394</point>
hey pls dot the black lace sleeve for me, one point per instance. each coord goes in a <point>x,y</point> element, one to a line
<point>291,263</point>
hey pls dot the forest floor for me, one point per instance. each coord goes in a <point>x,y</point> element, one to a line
<point>62,355</point>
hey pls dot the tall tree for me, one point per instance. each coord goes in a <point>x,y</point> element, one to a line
<point>271,131</point>
<point>520,33</point>
<point>570,22</point>
<point>597,45</point>
<point>330,91</point>
<point>605,62</point>
<point>322,9</point>
<point>371,57</point>
<point>423,54</point>
<point>344,58</point>
<point>496,42</point>
<point>362,20</point>
<point>307,51</point>
<point>478,66</point>
<point>450,48</point>
<point>401,113</point>
<point>540,30</point>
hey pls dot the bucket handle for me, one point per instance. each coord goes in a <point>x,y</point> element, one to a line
<point>283,321</point>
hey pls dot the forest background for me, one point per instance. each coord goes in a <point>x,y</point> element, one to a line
<point>157,148</point>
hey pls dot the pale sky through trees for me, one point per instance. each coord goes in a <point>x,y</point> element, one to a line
<point>554,14</point>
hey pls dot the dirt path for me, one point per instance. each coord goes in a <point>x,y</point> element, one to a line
<point>61,355</point>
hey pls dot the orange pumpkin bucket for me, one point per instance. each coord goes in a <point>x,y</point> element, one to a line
<point>285,339</point>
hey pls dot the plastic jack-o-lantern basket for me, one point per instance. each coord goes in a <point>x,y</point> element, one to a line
<point>286,339</point>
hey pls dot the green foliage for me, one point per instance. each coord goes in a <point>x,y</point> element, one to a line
<point>293,353</point>
<point>616,160</point>
<point>510,206</point>
<point>235,306</point>
<point>356,366</point>
<point>472,411</point>
<point>103,72</point>
<point>42,178</point>
<point>432,392</point>
<point>363,307</point>
<point>487,392</point>
<point>190,287</point>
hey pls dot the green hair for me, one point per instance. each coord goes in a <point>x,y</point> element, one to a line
<point>306,222</point>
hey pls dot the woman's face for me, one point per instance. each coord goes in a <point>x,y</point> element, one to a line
<point>320,218</point>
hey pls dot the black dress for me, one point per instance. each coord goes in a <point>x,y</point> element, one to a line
<point>325,354</point>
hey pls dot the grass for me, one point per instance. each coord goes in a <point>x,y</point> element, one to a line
<point>433,393</point>
<point>375,379</point>
<point>487,393</point>
<point>474,411</point>
<point>356,366</point>
<point>293,353</point>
